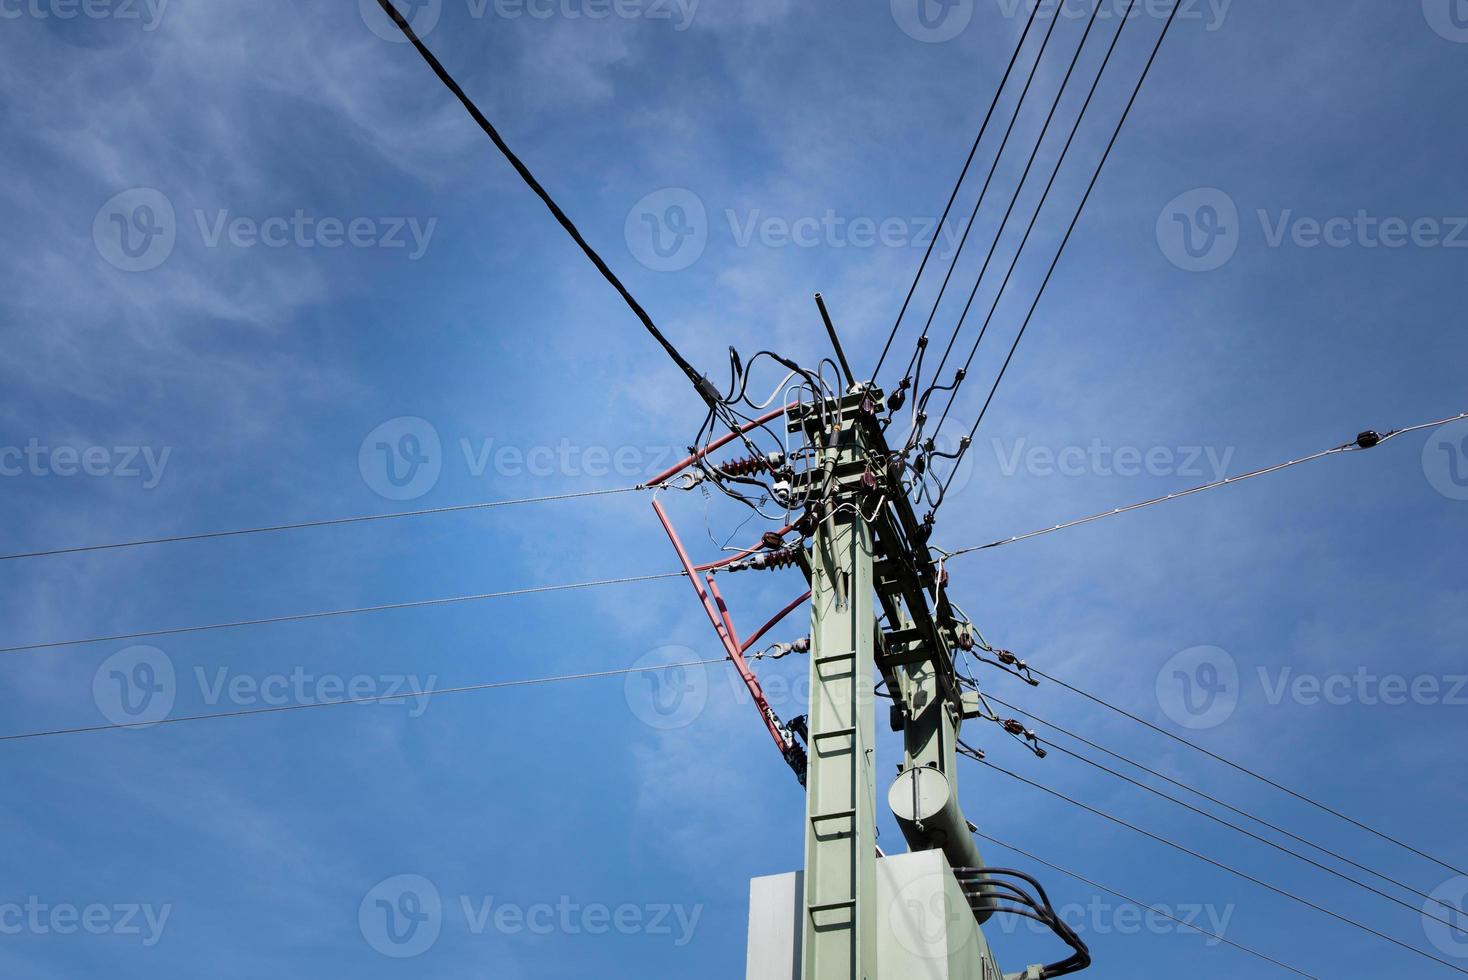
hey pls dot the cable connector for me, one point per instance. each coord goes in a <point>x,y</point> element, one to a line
<point>779,650</point>
<point>687,480</point>
<point>1015,665</point>
<point>978,755</point>
<point>709,390</point>
<point>1368,440</point>
<point>1025,735</point>
<point>795,754</point>
<point>898,397</point>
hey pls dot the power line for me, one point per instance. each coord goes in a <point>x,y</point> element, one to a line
<point>330,522</point>
<point>1040,207</point>
<point>1224,867</point>
<point>1366,440</point>
<point>1214,800</point>
<point>299,617</point>
<point>989,180</point>
<point>958,186</point>
<point>700,383</point>
<point>1151,908</point>
<point>436,692</point>
<point>1075,221</point>
<point>1248,772</point>
<point>1250,834</point>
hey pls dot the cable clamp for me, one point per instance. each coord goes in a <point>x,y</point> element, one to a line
<point>687,480</point>
<point>779,650</point>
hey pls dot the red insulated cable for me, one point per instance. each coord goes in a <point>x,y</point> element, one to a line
<point>718,443</point>
<point>731,559</point>
<point>754,638</point>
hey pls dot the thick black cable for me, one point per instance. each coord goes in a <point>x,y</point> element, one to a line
<point>1224,867</point>
<point>331,522</point>
<point>1216,801</point>
<point>700,383</point>
<point>1142,905</point>
<point>990,878</point>
<point>401,696</point>
<point>1246,771</point>
<point>998,92</point>
<point>300,617</point>
<point>1095,178</point>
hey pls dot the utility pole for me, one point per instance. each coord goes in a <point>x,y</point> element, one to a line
<point>840,941</point>
<point>870,553</point>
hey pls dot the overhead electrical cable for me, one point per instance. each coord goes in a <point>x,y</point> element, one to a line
<point>301,617</point>
<point>704,387</point>
<point>1250,834</point>
<point>1143,905</point>
<point>1018,48</point>
<point>1075,221</point>
<point>1247,771</point>
<point>1019,192</point>
<point>329,522</point>
<point>1224,867</point>
<point>400,696</point>
<point>989,180</point>
<point>1367,440</point>
<point>1216,801</point>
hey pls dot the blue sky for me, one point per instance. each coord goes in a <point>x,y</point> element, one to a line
<point>319,243</point>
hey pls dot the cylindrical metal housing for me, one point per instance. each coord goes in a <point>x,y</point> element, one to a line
<point>927,810</point>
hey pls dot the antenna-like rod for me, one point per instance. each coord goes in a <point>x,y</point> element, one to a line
<point>835,341</point>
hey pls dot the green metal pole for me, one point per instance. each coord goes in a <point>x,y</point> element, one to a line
<point>840,911</point>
